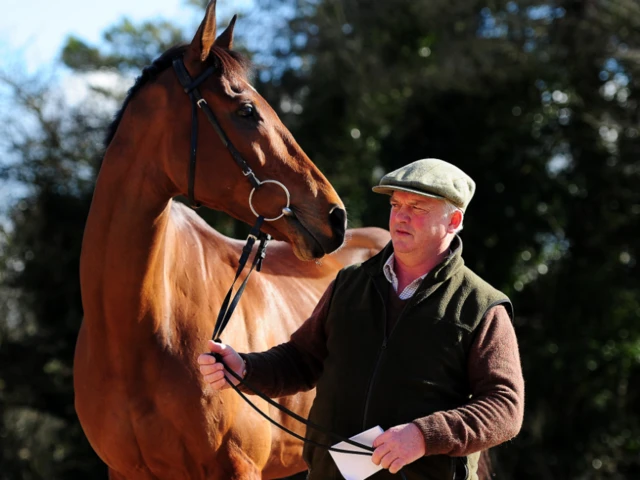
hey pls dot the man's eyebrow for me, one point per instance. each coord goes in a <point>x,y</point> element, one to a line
<point>412,203</point>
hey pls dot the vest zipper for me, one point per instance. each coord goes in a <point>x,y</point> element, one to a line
<point>371,381</point>
<point>383,347</point>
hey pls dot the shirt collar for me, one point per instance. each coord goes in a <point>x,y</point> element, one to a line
<point>390,275</point>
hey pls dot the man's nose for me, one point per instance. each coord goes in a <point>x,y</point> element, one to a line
<point>402,214</point>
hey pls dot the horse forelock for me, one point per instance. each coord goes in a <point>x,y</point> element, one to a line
<point>232,63</point>
<point>229,63</point>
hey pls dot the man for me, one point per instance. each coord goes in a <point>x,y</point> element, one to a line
<point>411,340</point>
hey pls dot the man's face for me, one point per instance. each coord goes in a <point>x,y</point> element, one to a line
<point>417,223</point>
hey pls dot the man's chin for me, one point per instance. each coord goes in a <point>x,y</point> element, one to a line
<point>402,246</point>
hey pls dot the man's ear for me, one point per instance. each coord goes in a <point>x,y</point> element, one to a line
<point>455,221</point>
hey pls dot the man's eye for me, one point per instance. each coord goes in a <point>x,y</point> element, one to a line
<point>246,110</point>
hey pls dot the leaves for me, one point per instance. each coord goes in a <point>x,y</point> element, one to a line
<point>537,101</point>
<point>127,47</point>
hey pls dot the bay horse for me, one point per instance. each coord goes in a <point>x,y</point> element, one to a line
<point>153,274</point>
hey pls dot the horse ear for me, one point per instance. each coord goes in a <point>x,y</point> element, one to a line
<point>206,34</point>
<point>225,40</point>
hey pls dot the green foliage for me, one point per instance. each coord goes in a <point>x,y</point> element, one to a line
<point>40,292</point>
<point>537,101</point>
<point>128,47</point>
<point>41,436</point>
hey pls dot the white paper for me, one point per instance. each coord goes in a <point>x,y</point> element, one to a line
<point>357,467</point>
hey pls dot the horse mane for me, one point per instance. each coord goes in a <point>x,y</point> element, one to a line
<point>227,62</point>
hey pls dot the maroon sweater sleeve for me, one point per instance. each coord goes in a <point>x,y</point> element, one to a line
<point>494,413</point>
<point>294,366</point>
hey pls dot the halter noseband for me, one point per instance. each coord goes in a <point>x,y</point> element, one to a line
<point>190,87</point>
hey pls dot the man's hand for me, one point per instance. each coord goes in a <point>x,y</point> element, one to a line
<point>213,372</point>
<point>398,447</point>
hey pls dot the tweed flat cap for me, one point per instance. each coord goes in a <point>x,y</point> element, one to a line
<point>432,178</point>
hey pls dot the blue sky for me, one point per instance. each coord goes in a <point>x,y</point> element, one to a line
<point>32,32</point>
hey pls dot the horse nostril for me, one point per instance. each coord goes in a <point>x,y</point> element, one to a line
<point>338,219</point>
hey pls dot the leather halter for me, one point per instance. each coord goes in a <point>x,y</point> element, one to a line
<point>191,88</point>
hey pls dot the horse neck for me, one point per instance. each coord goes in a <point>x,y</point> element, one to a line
<point>128,268</point>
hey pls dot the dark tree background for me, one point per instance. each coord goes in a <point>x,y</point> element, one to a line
<point>536,100</point>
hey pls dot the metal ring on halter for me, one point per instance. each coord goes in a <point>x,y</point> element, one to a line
<point>284,209</point>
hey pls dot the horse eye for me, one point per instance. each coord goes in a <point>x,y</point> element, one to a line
<point>246,110</point>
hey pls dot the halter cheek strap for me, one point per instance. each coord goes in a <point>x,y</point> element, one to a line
<point>190,87</point>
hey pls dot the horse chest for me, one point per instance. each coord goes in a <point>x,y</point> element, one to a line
<point>143,427</point>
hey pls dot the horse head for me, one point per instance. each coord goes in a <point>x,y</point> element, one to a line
<point>248,131</point>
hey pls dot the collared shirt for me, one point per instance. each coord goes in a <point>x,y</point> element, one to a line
<point>390,275</point>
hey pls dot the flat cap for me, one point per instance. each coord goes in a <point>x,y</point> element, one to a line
<point>432,178</point>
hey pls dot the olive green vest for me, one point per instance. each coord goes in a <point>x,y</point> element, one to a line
<point>374,377</point>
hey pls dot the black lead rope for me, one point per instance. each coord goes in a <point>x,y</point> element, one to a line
<point>368,450</point>
<point>228,306</point>
<point>227,309</point>
<point>293,415</point>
